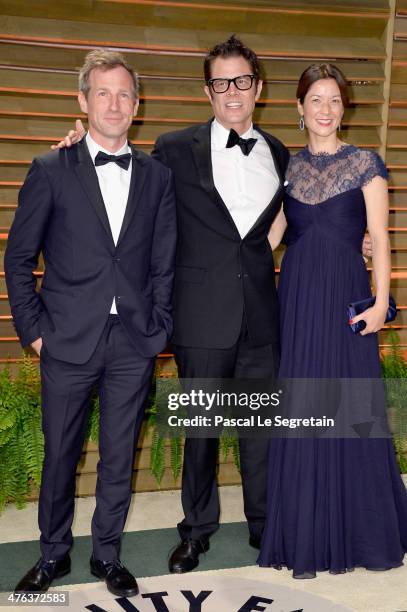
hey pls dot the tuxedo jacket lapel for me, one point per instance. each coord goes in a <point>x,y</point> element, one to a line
<point>201,150</point>
<point>137,182</point>
<point>273,154</point>
<point>86,173</point>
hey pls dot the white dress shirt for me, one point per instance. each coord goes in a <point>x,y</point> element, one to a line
<point>114,183</point>
<point>246,183</point>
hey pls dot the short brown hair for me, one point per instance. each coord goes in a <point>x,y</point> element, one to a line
<point>232,47</point>
<point>106,60</point>
<point>317,72</point>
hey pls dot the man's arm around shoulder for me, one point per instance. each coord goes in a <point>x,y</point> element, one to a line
<point>170,147</point>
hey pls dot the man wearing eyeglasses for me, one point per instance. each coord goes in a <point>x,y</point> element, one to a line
<point>229,178</point>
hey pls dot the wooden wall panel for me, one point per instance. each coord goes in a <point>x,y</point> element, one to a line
<point>43,44</point>
<point>396,159</point>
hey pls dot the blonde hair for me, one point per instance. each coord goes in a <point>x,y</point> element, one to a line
<point>106,60</point>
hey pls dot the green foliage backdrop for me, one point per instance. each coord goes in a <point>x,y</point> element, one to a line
<point>22,443</point>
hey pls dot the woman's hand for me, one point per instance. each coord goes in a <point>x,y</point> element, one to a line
<point>367,249</point>
<point>37,346</point>
<point>72,137</point>
<point>374,318</point>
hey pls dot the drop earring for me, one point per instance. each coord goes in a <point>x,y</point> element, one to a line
<point>302,124</point>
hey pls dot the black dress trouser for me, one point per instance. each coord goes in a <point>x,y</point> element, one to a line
<point>123,378</point>
<point>200,499</point>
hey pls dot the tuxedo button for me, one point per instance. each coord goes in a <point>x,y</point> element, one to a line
<point>119,297</point>
<point>239,275</point>
<point>116,259</point>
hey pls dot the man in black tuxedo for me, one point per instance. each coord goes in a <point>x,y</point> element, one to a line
<point>229,179</point>
<point>103,215</point>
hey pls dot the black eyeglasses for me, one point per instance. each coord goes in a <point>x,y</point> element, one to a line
<point>242,82</point>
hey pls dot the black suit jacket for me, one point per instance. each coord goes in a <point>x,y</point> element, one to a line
<point>218,275</point>
<point>61,213</point>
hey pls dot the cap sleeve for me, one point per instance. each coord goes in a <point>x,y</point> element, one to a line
<point>371,165</point>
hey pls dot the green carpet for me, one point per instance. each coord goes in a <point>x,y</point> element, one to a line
<point>145,553</point>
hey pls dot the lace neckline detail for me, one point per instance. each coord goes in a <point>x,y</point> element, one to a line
<point>316,178</point>
<point>340,153</point>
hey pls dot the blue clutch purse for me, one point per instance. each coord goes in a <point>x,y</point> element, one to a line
<point>356,308</point>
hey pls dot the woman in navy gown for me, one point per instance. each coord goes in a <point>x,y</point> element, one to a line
<point>333,504</point>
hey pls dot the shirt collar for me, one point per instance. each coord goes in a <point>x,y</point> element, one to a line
<point>94,148</point>
<point>220,135</point>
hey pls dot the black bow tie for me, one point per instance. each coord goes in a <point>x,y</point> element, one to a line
<point>121,160</point>
<point>246,144</point>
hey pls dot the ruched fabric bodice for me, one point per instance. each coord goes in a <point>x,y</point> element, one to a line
<point>342,218</point>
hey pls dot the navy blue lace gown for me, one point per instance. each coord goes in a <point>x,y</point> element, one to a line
<point>333,504</point>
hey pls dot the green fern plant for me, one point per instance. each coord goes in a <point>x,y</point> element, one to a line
<point>21,439</point>
<point>92,430</point>
<point>161,433</point>
<point>157,456</point>
<point>22,443</point>
<point>229,442</point>
<point>176,456</point>
<point>394,369</point>
<point>158,444</point>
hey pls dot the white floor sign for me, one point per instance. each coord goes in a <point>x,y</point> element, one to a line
<point>189,593</point>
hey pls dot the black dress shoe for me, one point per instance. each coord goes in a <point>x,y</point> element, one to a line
<point>118,579</point>
<point>186,556</point>
<point>255,542</point>
<point>39,578</point>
